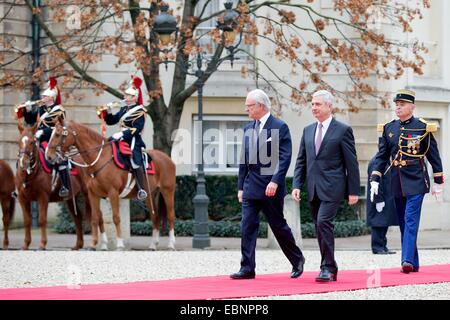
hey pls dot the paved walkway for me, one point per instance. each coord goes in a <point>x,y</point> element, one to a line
<point>430,239</point>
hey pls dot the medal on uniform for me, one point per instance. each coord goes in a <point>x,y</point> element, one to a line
<point>391,135</point>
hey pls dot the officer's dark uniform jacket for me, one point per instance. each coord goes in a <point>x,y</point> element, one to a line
<point>404,145</point>
<point>48,117</point>
<point>132,121</point>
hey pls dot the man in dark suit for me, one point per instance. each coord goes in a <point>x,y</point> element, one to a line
<point>381,212</point>
<point>327,163</point>
<point>265,159</point>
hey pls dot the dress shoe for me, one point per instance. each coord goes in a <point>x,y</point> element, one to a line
<point>297,271</point>
<point>414,269</point>
<point>326,276</point>
<point>407,267</point>
<point>384,252</point>
<point>242,275</point>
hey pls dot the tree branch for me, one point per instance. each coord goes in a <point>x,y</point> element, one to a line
<point>67,58</point>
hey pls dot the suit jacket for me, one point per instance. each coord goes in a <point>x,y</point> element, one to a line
<point>333,173</point>
<point>269,161</point>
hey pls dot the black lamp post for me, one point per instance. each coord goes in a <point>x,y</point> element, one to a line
<point>164,26</point>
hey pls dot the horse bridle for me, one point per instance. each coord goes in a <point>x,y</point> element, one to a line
<point>33,160</point>
<point>58,147</point>
<point>58,151</point>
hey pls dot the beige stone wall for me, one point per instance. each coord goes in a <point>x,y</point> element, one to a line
<point>225,94</point>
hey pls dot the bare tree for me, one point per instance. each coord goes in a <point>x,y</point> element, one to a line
<point>357,49</point>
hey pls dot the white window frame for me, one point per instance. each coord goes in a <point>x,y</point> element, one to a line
<point>223,143</point>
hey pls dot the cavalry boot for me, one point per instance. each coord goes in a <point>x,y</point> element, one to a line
<point>64,176</point>
<point>140,176</point>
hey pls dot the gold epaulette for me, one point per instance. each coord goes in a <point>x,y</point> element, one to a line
<point>380,127</point>
<point>431,127</point>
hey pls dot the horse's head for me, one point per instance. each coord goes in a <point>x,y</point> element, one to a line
<point>28,148</point>
<point>63,137</point>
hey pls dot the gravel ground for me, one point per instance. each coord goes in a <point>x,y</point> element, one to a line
<point>50,268</point>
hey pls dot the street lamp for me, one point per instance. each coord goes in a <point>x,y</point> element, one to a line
<point>164,26</point>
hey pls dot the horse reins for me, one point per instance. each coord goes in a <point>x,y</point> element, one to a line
<point>33,168</point>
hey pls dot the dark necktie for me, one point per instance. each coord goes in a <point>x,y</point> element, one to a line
<point>256,133</point>
<point>319,138</point>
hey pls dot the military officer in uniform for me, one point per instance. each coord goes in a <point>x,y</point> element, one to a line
<point>404,147</point>
<point>47,114</point>
<point>131,119</point>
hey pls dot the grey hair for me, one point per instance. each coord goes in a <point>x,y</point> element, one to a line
<point>327,96</point>
<point>261,97</point>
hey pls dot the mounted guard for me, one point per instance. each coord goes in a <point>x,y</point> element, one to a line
<point>131,119</point>
<point>46,111</point>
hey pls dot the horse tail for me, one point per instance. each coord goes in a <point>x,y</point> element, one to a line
<point>162,211</point>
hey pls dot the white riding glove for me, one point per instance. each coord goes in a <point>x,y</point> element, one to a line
<point>373,189</point>
<point>437,192</point>
<point>379,206</point>
<point>117,135</point>
<point>110,105</point>
<point>28,105</point>
<point>38,133</point>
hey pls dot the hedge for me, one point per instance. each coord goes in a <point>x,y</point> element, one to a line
<point>232,229</point>
<point>223,205</point>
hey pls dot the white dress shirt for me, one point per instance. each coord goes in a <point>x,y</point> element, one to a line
<point>263,121</point>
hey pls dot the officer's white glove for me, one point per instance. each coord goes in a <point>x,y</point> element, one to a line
<point>110,105</point>
<point>28,105</point>
<point>38,133</point>
<point>379,206</point>
<point>437,192</point>
<point>373,189</point>
<point>117,135</point>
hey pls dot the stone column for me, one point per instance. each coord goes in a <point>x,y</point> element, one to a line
<point>292,216</point>
<point>110,228</point>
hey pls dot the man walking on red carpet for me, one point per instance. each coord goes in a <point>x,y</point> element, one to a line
<point>327,163</point>
<point>265,159</point>
<point>406,142</point>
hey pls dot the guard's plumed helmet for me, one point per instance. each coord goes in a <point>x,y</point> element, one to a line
<point>53,90</point>
<point>135,89</point>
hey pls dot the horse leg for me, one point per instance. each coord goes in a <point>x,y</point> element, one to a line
<point>169,195</point>
<point>155,222</point>
<point>95,216</point>
<point>6,220</point>
<point>78,220</point>
<point>115,202</point>
<point>103,237</point>
<point>26,211</point>
<point>88,214</point>
<point>43,208</point>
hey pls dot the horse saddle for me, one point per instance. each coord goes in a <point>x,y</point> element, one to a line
<point>122,153</point>
<point>46,165</point>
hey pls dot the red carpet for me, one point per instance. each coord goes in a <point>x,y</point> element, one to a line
<point>222,287</point>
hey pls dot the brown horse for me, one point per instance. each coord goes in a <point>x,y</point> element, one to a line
<point>7,198</point>
<point>107,180</point>
<point>34,184</point>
